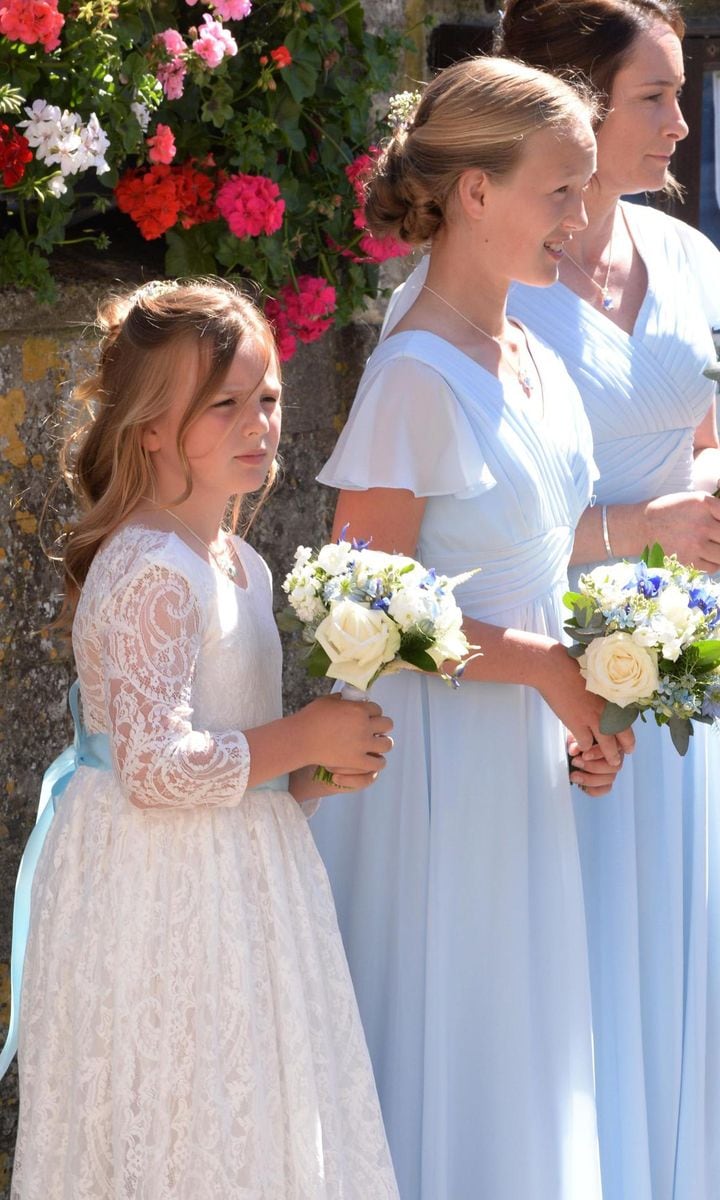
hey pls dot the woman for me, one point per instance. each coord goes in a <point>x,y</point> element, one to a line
<point>457,880</point>
<point>630,315</point>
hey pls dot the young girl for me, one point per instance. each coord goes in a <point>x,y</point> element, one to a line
<point>188,1028</point>
<point>458,883</point>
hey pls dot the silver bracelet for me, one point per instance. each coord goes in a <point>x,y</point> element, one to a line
<point>605,533</point>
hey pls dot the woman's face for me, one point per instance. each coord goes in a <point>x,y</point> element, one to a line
<point>638,137</point>
<point>528,216</point>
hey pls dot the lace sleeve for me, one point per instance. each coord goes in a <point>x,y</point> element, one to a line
<point>151,641</point>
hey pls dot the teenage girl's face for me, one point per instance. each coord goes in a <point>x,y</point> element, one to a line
<point>638,137</point>
<point>231,445</point>
<point>528,216</point>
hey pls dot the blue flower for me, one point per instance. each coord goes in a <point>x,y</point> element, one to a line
<point>648,585</point>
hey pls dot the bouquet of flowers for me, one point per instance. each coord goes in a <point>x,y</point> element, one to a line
<point>364,613</point>
<point>647,638</point>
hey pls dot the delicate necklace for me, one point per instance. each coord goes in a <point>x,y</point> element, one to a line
<point>523,375</point>
<point>605,297</point>
<point>227,568</point>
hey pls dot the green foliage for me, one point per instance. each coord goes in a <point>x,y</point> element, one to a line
<point>300,125</point>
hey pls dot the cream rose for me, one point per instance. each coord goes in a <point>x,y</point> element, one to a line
<point>358,641</point>
<point>619,670</point>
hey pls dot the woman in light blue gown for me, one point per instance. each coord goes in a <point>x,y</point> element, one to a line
<point>650,851</point>
<point>457,879</point>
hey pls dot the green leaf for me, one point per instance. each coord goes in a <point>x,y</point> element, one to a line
<point>653,556</point>
<point>707,656</point>
<point>417,658</point>
<point>288,620</point>
<point>317,661</point>
<point>615,719</point>
<point>681,731</point>
<point>190,252</point>
<point>576,651</point>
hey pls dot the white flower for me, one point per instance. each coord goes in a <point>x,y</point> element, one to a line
<point>60,138</point>
<point>333,557</point>
<point>306,603</point>
<point>56,185</point>
<point>644,635</point>
<point>618,669</point>
<point>608,584</point>
<point>673,605</point>
<point>141,112</point>
<point>358,641</point>
<point>450,641</point>
<point>411,605</point>
<point>303,554</point>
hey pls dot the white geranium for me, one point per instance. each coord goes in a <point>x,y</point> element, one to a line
<point>619,670</point>
<point>141,112</point>
<point>60,138</point>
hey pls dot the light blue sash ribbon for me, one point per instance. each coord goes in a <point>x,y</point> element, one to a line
<point>87,750</point>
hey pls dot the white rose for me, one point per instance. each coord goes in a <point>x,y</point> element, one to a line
<point>619,670</point>
<point>357,640</point>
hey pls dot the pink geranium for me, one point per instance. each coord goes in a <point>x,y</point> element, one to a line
<point>214,42</point>
<point>232,10</point>
<point>251,205</point>
<point>161,145</point>
<point>32,21</point>
<point>171,73</point>
<point>284,338</point>
<point>309,306</point>
<point>376,249</point>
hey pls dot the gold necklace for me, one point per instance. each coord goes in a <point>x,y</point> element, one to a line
<point>226,567</point>
<point>605,298</point>
<point>519,369</point>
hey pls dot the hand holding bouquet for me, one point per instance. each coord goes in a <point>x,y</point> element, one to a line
<point>648,637</point>
<point>364,613</point>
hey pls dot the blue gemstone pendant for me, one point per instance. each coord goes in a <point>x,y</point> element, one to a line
<point>607,302</point>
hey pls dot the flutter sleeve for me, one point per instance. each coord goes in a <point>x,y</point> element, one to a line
<point>152,638</point>
<point>407,429</point>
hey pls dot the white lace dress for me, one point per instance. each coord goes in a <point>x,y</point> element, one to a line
<point>188,1027</point>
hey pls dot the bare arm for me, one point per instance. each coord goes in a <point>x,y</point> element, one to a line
<point>684,523</point>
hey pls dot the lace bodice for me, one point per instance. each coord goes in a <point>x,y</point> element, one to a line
<point>175,660</point>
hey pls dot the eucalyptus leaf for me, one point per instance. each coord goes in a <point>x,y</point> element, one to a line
<point>615,719</point>
<point>681,731</point>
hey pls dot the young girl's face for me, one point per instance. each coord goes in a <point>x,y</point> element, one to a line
<point>530,214</point>
<point>230,447</point>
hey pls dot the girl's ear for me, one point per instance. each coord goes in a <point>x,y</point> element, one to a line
<point>150,438</point>
<point>471,188</point>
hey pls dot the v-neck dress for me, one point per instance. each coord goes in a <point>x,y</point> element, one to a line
<point>651,849</point>
<point>456,877</point>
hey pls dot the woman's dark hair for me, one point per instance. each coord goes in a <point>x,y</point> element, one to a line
<point>592,37</point>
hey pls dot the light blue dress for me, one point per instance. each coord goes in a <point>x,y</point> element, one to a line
<point>651,849</point>
<point>456,877</point>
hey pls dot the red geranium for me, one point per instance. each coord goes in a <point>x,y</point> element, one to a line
<point>281,56</point>
<point>15,152</point>
<point>159,197</point>
<point>301,312</point>
<point>32,21</point>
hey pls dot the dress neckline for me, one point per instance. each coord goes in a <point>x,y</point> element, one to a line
<point>531,345</point>
<point>238,546</point>
<point>602,319</point>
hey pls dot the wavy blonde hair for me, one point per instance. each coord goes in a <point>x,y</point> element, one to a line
<point>147,337</point>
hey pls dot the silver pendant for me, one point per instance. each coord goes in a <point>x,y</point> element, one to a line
<point>231,571</point>
<point>607,302</point>
<point>525,383</point>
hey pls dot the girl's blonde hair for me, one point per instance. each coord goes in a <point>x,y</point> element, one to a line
<point>149,337</point>
<point>475,114</point>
